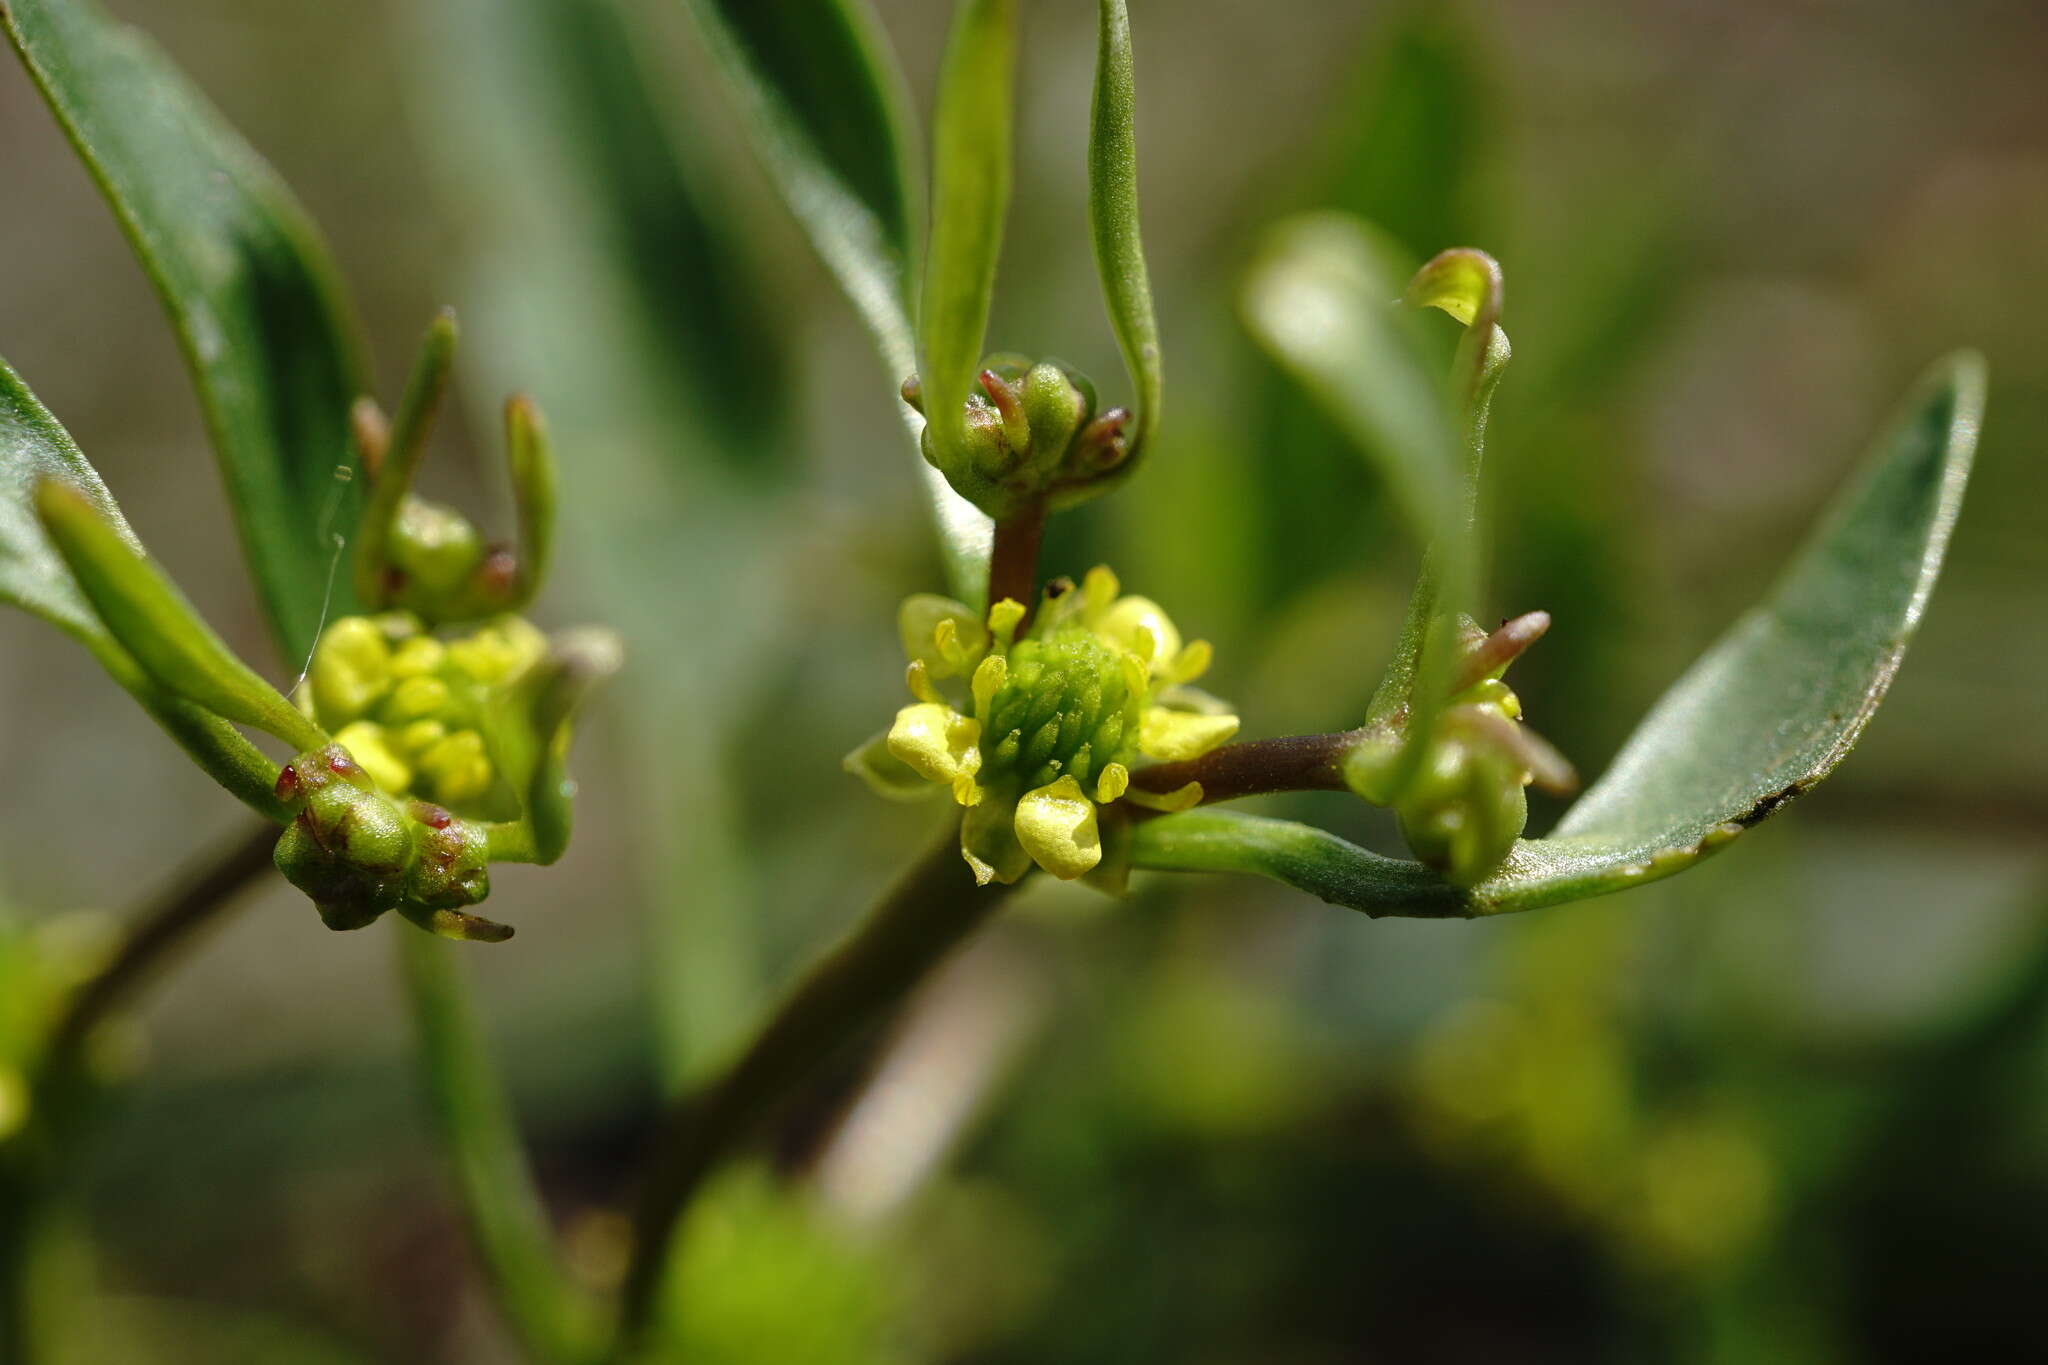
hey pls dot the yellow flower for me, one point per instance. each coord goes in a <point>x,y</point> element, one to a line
<point>1041,737</point>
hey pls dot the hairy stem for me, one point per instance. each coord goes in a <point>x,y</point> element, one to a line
<point>161,931</point>
<point>1292,763</point>
<point>1013,561</point>
<point>856,987</point>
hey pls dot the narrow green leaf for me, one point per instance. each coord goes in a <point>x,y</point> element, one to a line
<point>1113,218</point>
<point>35,449</point>
<point>972,147</point>
<point>829,109</point>
<point>553,1318</point>
<point>245,278</point>
<point>1758,721</point>
<point>154,623</point>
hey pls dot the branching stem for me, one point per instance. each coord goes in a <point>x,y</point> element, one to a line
<point>856,987</point>
<point>1291,763</point>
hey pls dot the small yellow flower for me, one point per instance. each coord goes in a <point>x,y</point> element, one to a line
<point>1040,738</point>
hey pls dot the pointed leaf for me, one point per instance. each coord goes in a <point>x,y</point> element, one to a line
<point>245,278</point>
<point>1113,218</point>
<point>35,450</point>
<point>1760,719</point>
<point>972,146</point>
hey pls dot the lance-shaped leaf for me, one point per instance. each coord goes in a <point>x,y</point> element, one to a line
<point>246,280</point>
<point>829,110</point>
<point>1113,218</point>
<point>153,622</point>
<point>972,136</point>
<point>1759,720</point>
<point>35,450</point>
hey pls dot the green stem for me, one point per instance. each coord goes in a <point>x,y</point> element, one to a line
<point>856,987</point>
<point>555,1320</point>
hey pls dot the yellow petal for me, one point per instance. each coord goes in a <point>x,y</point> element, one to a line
<point>937,741</point>
<point>946,635</point>
<point>988,841</point>
<point>1056,825</point>
<point>1173,736</point>
<point>1179,799</point>
<point>1113,783</point>
<point>1140,625</point>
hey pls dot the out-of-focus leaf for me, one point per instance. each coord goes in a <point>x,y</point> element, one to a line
<point>34,448</point>
<point>1324,299</point>
<point>1408,135</point>
<point>695,291</point>
<point>1113,217</point>
<point>1759,720</point>
<point>829,110</point>
<point>556,304</point>
<point>972,147</point>
<point>245,277</point>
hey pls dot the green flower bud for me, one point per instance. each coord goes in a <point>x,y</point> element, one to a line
<point>433,553</point>
<point>1023,433</point>
<point>454,856</point>
<point>1464,811</point>
<point>348,847</point>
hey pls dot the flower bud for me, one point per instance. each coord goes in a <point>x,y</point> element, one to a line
<point>1023,437</point>
<point>349,846</point>
<point>453,866</point>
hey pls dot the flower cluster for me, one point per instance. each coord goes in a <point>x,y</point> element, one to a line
<point>1042,723</point>
<point>413,710</point>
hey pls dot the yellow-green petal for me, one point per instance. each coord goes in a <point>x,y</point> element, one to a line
<point>1174,736</point>
<point>1057,827</point>
<point>887,775</point>
<point>937,741</point>
<point>988,841</point>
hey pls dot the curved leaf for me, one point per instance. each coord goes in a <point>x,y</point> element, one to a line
<point>35,450</point>
<point>1113,217</point>
<point>245,278</point>
<point>1759,720</point>
<point>830,111</point>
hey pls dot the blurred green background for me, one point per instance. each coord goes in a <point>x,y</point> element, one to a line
<point>1792,1106</point>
